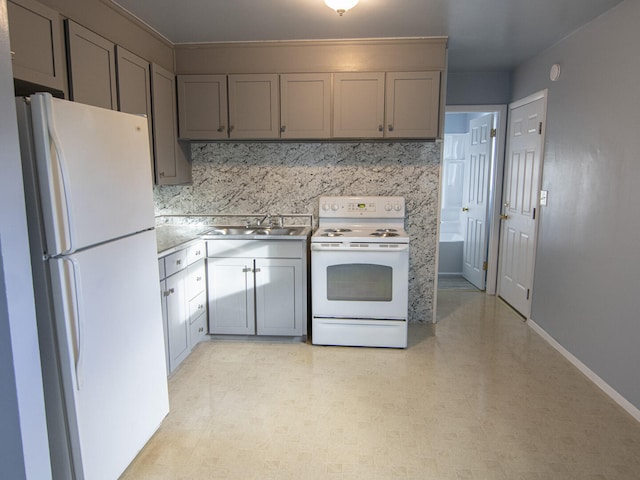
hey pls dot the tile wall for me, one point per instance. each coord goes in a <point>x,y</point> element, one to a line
<point>290,177</point>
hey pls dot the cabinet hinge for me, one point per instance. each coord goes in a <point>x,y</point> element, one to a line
<point>540,128</point>
<point>494,133</point>
<point>484,266</point>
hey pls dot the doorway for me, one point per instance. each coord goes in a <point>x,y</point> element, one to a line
<point>470,193</point>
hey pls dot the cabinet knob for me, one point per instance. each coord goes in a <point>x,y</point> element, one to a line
<point>231,128</point>
<point>201,329</point>
<point>246,269</point>
<point>391,128</point>
<point>161,174</point>
<point>198,279</point>
<point>380,128</point>
<point>465,209</point>
<point>178,262</point>
<point>256,270</point>
<point>283,128</point>
<point>221,128</point>
<point>200,306</point>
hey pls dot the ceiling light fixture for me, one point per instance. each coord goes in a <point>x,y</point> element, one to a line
<point>341,6</point>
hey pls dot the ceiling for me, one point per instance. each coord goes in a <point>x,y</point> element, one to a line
<point>483,35</point>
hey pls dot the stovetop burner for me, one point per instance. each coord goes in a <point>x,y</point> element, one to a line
<point>329,233</point>
<point>337,230</point>
<point>384,233</point>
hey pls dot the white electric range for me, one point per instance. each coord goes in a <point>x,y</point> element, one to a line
<point>360,272</point>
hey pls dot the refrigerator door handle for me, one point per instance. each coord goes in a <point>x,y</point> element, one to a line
<point>60,195</point>
<point>70,278</point>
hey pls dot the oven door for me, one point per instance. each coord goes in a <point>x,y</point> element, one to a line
<point>360,282</point>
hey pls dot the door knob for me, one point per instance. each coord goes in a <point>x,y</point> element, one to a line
<point>465,209</point>
<point>504,217</point>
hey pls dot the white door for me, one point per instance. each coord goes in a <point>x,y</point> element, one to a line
<point>475,204</point>
<point>520,201</point>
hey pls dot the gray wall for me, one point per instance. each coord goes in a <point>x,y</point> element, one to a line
<point>478,88</point>
<point>24,451</point>
<point>587,272</point>
<point>289,177</point>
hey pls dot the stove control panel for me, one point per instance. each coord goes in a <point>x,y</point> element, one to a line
<point>365,207</point>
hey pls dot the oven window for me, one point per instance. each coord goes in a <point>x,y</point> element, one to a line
<point>360,283</point>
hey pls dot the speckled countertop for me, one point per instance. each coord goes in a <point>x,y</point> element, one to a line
<point>169,237</point>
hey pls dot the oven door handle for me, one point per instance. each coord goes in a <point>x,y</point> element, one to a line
<point>377,248</point>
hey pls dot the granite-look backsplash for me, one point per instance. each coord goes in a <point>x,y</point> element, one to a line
<point>290,177</point>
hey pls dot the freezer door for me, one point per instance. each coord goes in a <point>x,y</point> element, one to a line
<point>109,316</point>
<point>94,173</point>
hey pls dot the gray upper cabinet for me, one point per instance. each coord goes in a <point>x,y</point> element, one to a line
<point>254,111</point>
<point>134,87</point>
<point>305,105</point>
<point>171,158</point>
<point>202,103</point>
<point>36,43</point>
<point>412,104</point>
<point>92,67</point>
<point>358,105</point>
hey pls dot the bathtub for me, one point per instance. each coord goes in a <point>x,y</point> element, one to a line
<point>450,257</point>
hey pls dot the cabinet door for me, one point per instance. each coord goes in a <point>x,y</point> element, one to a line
<point>305,105</point>
<point>134,87</point>
<point>358,105</point>
<point>172,165</point>
<point>253,106</point>
<point>231,302</point>
<point>36,43</point>
<point>92,67</point>
<point>202,105</point>
<point>177,319</point>
<point>279,297</point>
<point>412,104</point>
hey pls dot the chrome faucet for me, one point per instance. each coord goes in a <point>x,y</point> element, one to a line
<point>266,217</point>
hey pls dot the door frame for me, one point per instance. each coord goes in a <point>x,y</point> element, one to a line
<point>495,189</point>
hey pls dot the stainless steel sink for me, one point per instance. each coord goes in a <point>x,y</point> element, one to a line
<point>255,230</point>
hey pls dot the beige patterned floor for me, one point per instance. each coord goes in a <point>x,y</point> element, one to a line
<point>480,396</point>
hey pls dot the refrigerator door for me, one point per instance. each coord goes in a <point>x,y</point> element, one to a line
<point>109,320</point>
<point>94,173</point>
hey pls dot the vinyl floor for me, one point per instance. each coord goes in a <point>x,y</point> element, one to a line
<point>478,396</point>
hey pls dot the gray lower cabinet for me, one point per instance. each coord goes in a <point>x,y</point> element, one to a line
<point>184,305</point>
<point>257,294</point>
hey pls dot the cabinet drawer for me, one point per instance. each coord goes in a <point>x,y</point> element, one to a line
<point>196,279</point>
<point>195,252</point>
<point>175,262</point>
<point>197,306</point>
<point>198,330</point>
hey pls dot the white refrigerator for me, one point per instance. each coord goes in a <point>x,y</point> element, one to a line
<point>88,189</point>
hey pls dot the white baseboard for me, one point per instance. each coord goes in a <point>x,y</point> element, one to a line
<point>599,382</point>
